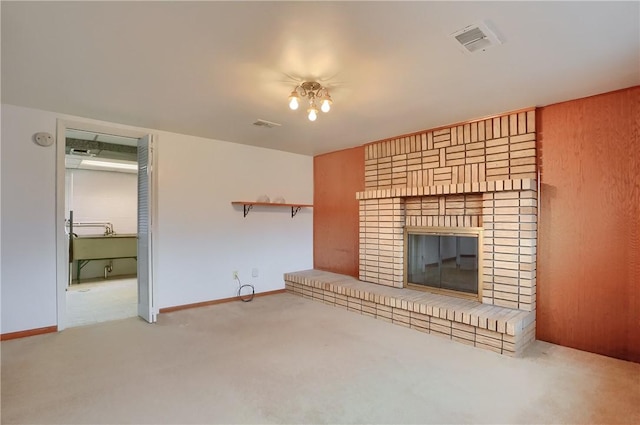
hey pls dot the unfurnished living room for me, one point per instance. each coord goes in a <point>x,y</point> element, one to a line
<point>320,212</point>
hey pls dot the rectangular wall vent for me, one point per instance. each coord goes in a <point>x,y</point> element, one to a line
<point>475,38</point>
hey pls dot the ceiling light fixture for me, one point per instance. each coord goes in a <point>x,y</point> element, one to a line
<point>315,93</point>
<point>110,164</point>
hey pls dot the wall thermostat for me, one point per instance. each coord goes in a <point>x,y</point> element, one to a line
<point>43,139</point>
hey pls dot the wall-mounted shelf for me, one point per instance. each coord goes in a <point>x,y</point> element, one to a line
<point>248,205</point>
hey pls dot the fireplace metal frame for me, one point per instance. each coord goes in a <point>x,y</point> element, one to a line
<point>446,231</point>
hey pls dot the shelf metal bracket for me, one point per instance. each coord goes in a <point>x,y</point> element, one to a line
<point>294,211</point>
<point>247,208</point>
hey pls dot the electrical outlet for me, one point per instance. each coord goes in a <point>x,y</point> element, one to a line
<point>254,272</point>
<point>235,274</point>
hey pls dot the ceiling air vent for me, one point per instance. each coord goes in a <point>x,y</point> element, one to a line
<point>267,124</point>
<point>475,38</point>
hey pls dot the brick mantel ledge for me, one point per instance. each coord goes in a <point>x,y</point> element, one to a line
<point>450,189</point>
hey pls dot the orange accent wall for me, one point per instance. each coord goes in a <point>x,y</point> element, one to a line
<point>589,223</point>
<point>337,176</point>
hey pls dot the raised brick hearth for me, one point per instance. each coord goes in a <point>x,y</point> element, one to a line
<point>503,330</point>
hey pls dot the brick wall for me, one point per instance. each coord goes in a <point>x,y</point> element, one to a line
<point>381,241</point>
<point>478,174</point>
<point>500,148</point>
<point>510,233</point>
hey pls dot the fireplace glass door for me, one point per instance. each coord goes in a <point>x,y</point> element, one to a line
<point>445,261</point>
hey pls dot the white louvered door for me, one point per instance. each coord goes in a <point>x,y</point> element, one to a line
<point>145,269</point>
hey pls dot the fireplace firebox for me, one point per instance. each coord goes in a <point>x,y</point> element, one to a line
<point>446,260</point>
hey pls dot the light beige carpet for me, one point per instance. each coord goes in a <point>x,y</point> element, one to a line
<point>285,359</point>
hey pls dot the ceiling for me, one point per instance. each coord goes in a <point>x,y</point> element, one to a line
<point>211,69</point>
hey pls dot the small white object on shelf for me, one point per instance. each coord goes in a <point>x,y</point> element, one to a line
<point>279,200</point>
<point>263,198</point>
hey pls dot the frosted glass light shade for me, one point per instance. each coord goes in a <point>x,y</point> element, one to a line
<point>293,102</point>
<point>326,105</point>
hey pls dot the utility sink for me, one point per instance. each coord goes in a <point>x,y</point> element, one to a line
<point>100,247</point>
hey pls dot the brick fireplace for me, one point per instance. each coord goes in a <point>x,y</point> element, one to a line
<point>480,175</point>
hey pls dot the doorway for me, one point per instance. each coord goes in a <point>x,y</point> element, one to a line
<point>104,193</point>
<point>101,226</point>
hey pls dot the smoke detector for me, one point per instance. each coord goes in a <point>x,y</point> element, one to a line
<point>475,38</point>
<point>265,123</point>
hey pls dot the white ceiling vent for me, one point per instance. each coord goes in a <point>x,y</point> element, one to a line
<point>475,38</point>
<point>265,123</point>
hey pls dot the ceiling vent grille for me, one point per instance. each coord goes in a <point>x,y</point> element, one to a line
<point>265,123</point>
<point>475,38</point>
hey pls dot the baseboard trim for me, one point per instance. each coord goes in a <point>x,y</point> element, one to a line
<point>28,332</point>
<point>214,302</point>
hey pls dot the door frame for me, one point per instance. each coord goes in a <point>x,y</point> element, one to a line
<point>62,266</point>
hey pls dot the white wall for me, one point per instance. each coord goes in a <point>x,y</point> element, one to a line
<point>204,239</point>
<point>201,239</point>
<point>103,196</point>
<point>28,237</point>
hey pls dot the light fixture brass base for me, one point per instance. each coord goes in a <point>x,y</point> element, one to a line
<point>310,86</point>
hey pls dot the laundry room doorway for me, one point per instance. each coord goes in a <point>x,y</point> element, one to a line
<point>104,222</point>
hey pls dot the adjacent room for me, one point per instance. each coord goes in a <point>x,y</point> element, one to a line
<point>320,212</point>
<point>101,206</point>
